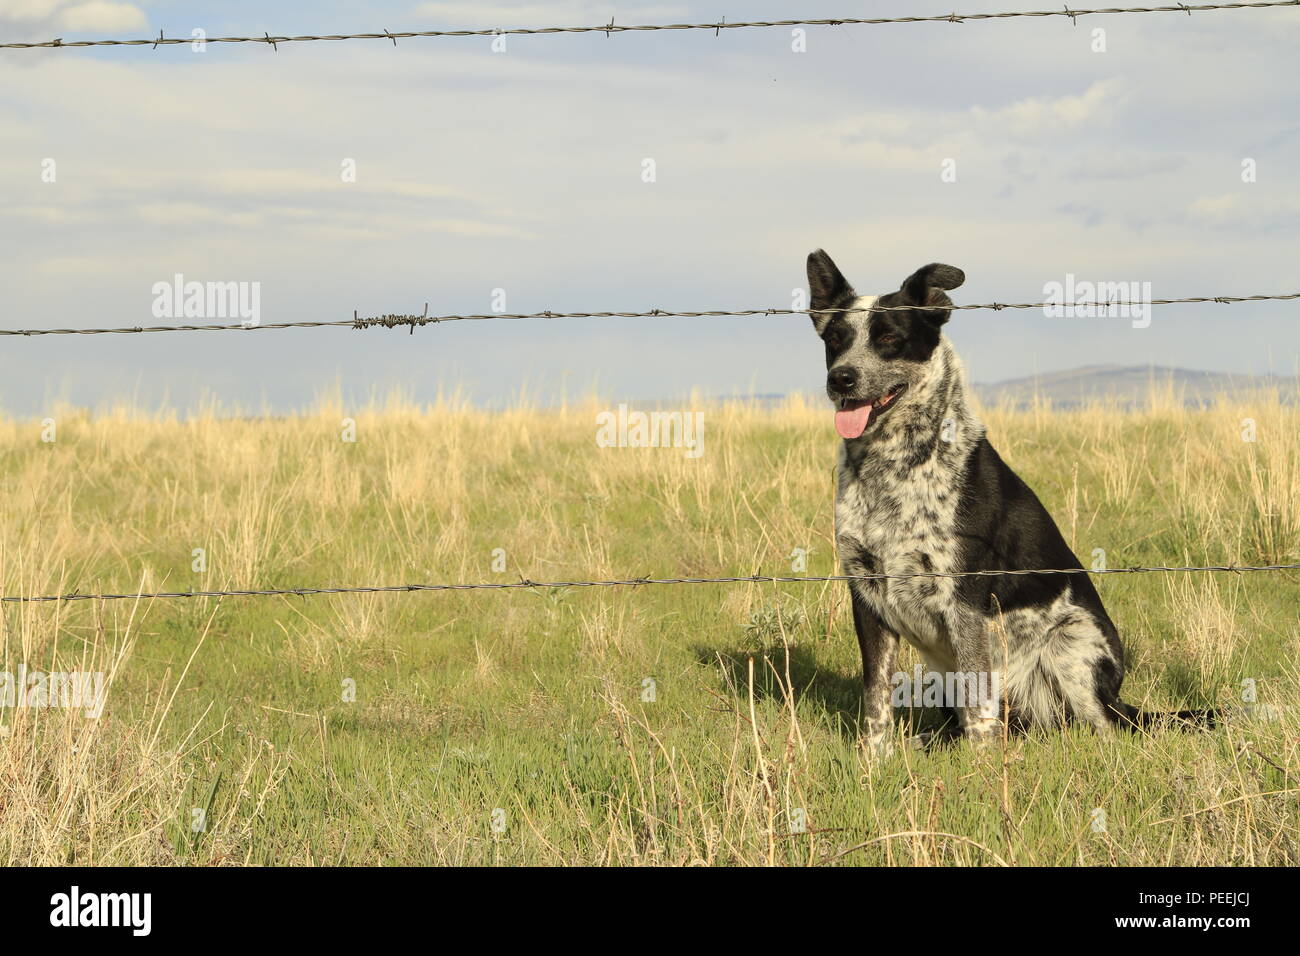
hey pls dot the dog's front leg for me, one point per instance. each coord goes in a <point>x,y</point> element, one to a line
<point>978,682</point>
<point>879,647</point>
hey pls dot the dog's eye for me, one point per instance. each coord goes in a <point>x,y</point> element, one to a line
<point>887,339</point>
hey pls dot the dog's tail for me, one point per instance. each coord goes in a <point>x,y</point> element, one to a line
<point>1131,718</point>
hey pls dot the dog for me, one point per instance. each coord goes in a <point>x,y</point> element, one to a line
<point>920,490</point>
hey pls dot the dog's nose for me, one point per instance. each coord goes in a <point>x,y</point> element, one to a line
<point>842,379</point>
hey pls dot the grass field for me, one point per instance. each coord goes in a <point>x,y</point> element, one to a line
<point>509,727</point>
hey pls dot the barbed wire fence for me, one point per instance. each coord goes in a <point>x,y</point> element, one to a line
<point>526,584</point>
<point>611,28</point>
<point>414,321</point>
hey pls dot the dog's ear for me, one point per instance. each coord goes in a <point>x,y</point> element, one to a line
<point>826,286</point>
<point>927,287</point>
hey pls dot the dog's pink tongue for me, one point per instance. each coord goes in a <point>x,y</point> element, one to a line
<point>852,422</point>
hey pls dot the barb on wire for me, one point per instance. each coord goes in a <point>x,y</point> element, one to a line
<point>611,28</point>
<point>527,584</point>
<point>395,320</point>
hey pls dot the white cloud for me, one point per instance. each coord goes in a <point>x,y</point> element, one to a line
<point>1099,104</point>
<point>29,10</point>
<point>372,179</point>
<point>1216,209</point>
<point>568,14</point>
<point>60,268</point>
<point>1249,212</point>
<point>173,213</point>
<point>103,16</point>
<point>1126,164</point>
<point>479,171</point>
<point>53,215</point>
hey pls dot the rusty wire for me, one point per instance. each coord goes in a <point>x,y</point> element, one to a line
<point>611,28</point>
<point>624,582</point>
<point>417,320</point>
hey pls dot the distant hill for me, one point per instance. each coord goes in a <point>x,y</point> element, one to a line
<point>1130,385</point>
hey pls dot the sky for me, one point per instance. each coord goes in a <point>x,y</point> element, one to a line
<point>1022,151</point>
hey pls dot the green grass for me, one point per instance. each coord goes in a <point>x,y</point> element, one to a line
<point>530,702</point>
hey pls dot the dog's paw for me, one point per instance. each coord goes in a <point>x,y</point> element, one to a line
<point>984,733</point>
<point>876,746</point>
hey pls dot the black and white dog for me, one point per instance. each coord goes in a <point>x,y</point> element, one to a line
<point>920,489</point>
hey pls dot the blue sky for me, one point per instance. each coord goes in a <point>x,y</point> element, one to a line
<point>522,171</point>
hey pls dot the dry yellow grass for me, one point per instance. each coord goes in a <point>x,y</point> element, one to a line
<point>531,703</point>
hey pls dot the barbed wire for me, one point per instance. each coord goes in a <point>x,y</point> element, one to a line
<point>611,28</point>
<point>415,321</point>
<point>627,582</point>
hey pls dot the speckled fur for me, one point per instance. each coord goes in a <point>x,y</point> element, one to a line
<point>913,495</point>
<point>897,496</point>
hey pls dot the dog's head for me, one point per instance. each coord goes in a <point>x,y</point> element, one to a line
<point>874,357</point>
